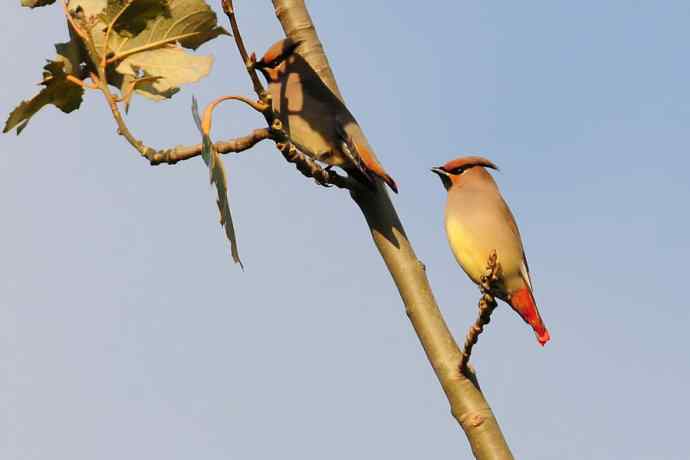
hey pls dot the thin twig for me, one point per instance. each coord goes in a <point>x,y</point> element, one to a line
<point>229,11</point>
<point>101,81</point>
<point>310,168</point>
<point>237,145</point>
<point>208,112</point>
<point>487,304</point>
<point>78,82</point>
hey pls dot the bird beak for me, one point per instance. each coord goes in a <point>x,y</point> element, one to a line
<point>445,177</point>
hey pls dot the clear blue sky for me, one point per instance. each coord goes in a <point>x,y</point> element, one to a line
<point>127,332</point>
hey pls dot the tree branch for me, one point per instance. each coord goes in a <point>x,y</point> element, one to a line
<point>467,403</point>
<point>181,153</point>
<point>297,24</point>
<point>229,11</point>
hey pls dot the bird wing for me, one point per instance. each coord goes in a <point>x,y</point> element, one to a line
<point>318,119</point>
<point>524,271</point>
<point>350,149</point>
<point>524,267</point>
<point>358,150</point>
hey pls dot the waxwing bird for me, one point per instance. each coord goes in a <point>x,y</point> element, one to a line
<point>317,121</point>
<point>478,221</point>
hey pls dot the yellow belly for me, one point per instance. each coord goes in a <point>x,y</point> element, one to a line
<point>472,249</point>
<point>465,250</point>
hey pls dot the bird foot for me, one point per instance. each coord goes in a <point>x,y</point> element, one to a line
<point>492,275</point>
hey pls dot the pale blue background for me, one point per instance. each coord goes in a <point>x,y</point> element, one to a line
<point>126,332</point>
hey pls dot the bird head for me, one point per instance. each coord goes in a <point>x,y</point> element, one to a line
<point>451,172</point>
<point>269,64</point>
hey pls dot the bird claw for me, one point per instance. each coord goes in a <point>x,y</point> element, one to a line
<point>492,275</point>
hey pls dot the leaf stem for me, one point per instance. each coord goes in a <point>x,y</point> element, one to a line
<point>82,83</point>
<point>229,10</point>
<point>259,106</point>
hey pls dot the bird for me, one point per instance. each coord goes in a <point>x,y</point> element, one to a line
<point>478,221</point>
<point>317,122</point>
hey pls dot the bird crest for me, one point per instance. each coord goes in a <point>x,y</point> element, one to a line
<point>462,163</point>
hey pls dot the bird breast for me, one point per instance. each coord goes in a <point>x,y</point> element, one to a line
<point>476,226</point>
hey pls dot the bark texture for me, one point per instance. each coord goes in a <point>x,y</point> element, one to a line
<point>466,400</point>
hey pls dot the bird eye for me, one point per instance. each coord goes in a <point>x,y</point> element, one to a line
<point>458,171</point>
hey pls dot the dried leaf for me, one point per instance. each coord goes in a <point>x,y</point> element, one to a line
<point>219,179</point>
<point>195,114</point>
<point>206,146</point>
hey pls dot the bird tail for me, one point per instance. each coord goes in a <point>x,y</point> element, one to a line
<point>372,165</point>
<point>523,302</point>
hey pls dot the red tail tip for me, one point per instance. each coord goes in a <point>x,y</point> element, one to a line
<point>543,337</point>
<point>372,164</point>
<point>523,302</point>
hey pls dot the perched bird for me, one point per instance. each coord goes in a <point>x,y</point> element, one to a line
<point>316,120</point>
<point>478,221</point>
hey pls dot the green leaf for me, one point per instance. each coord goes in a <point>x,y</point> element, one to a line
<point>58,91</point>
<point>70,55</point>
<point>35,3</point>
<point>189,22</point>
<point>169,67</point>
<point>148,24</point>
<point>130,84</point>
<point>89,8</point>
<point>132,15</point>
<point>145,46</point>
